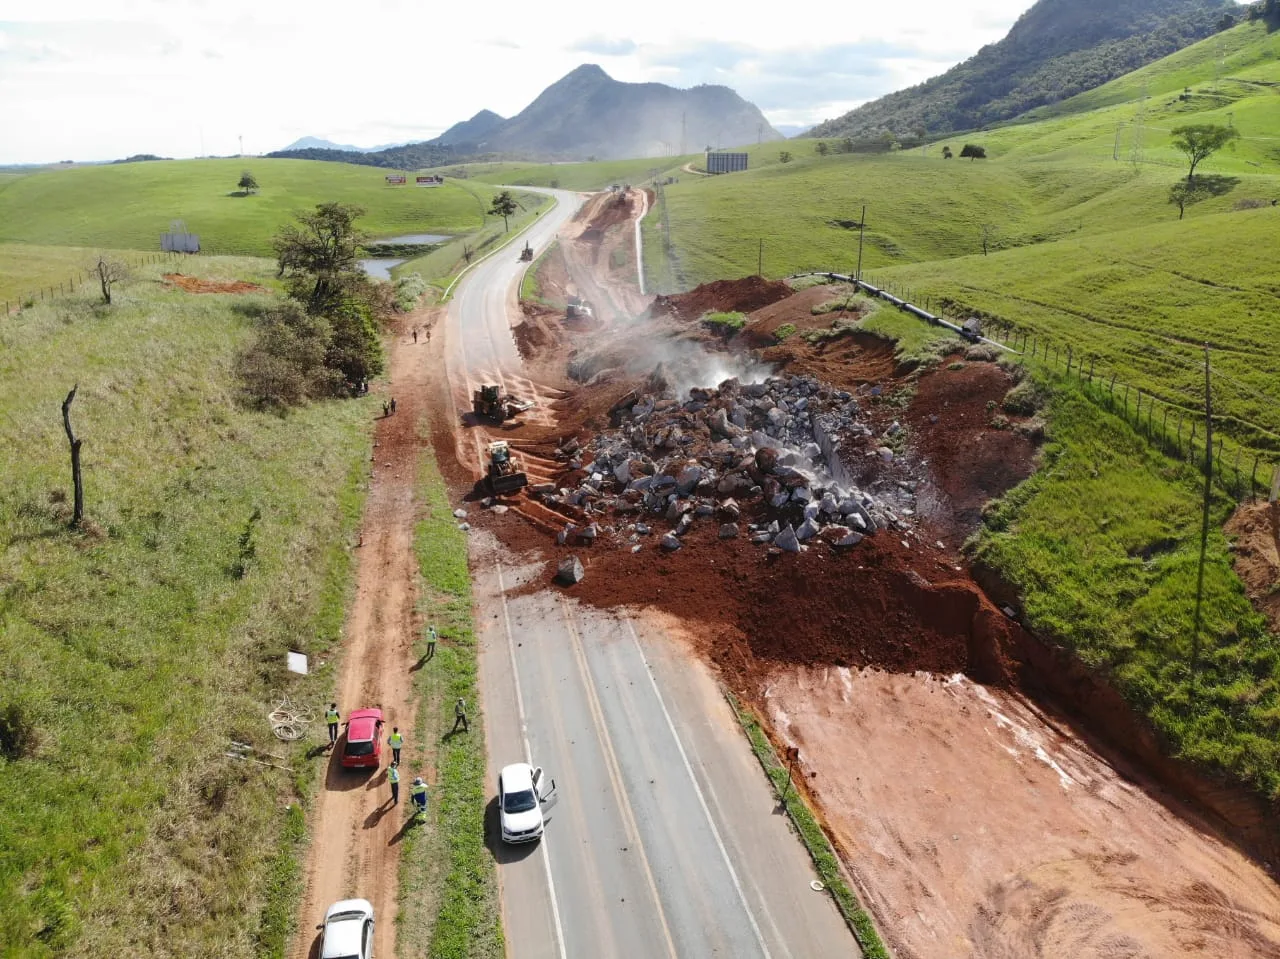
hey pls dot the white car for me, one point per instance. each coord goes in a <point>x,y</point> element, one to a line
<point>520,803</point>
<point>348,930</point>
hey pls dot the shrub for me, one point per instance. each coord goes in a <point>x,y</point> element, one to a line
<point>285,365</point>
<point>1025,399</point>
<point>785,330</point>
<point>408,290</point>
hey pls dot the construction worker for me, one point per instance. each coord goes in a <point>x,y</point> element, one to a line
<point>393,404</point>
<point>386,410</point>
<point>418,795</point>
<point>415,334</point>
<point>393,777</point>
<point>396,742</point>
<point>460,715</point>
<point>431,642</point>
<point>332,719</point>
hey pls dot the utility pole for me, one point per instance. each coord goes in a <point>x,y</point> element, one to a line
<point>1204,527</point>
<point>862,229</point>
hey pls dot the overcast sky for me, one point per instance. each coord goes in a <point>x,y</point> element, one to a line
<point>100,80</point>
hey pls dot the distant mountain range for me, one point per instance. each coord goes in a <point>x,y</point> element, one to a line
<point>316,143</point>
<point>586,114</point>
<point>1057,49</point>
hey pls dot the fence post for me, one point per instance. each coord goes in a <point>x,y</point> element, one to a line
<point>1236,468</point>
<point>1164,423</point>
<point>1068,359</point>
<point>1253,477</point>
<point>1218,458</point>
<point>1112,390</point>
<point>1126,400</point>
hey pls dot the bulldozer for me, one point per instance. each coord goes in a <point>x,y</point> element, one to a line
<point>577,307</point>
<point>489,401</point>
<point>526,255</point>
<point>505,475</point>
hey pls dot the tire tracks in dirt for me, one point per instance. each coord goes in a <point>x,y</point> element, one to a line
<point>355,830</point>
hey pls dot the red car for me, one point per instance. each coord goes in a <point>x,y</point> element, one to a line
<point>363,745</point>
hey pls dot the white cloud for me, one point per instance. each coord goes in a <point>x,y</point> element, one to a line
<point>176,77</point>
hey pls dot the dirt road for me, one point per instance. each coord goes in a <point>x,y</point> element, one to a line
<point>355,829</point>
<point>984,828</point>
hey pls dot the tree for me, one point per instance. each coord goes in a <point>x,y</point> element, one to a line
<point>973,151</point>
<point>247,182</point>
<point>285,365</point>
<point>109,272</point>
<point>318,256</point>
<point>784,157</point>
<point>946,153</point>
<point>1199,141</point>
<point>504,204</point>
<point>78,509</point>
<point>822,149</point>
<point>988,232</point>
<point>1184,193</point>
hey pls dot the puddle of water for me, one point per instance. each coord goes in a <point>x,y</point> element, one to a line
<point>379,269</point>
<point>413,238</point>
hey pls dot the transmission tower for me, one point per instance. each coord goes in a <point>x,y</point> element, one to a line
<point>1139,129</point>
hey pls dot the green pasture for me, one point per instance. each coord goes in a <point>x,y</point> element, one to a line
<point>134,650</point>
<point>128,205</point>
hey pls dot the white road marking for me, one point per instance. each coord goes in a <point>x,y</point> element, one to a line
<point>615,772</point>
<point>528,757</point>
<point>724,853</point>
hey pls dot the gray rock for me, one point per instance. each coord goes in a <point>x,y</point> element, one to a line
<point>460,513</point>
<point>808,530</point>
<point>801,494</point>
<point>499,509</point>
<point>812,451</point>
<point>773,528</point>
<point>590,533</point>
<point>564,535</point>
<point>704,509</point>
<point>641,483</point>
<point>643,529</point>
<point>682,527</point>
<point>779,500</point>
<point>464,526</point>
<point>622,472</point>
<point>761,537</point>
<point>886,454</point>
<point>487,502</point>
<point>730,508</point>
<point>688,479</point>
<point>670,542</point>
<point>570,571</point>
<point>787,540</point>
<point>729,531</point>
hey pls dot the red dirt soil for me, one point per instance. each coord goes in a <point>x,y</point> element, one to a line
<point>1256,528</point>
<point>193,284</point>
<point>743,296</point>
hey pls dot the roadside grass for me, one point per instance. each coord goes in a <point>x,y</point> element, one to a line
<point>128,205</point>
<point>811,834</point>
<point>449,906</point>
<point>1102,543</point>
<point>917,343</point>
<point>1143,302</point>
<point>133,651</point>
<point>443,265</point>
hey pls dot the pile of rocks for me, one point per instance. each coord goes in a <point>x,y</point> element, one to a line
<point>772,448</point>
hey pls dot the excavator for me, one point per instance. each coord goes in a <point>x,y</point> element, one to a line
<point>526,255</point>
<point>489,401</point>
<point>505,475</point>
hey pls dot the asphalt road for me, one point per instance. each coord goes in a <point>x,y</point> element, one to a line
<point>663,837</point>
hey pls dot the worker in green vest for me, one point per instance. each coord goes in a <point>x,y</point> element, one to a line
<point>396,742</point>
<point>332,718</point>
<point>393,777</point>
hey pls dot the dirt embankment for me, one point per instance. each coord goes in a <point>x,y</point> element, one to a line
<point>1256,528</point>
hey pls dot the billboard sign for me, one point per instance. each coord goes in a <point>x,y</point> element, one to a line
<point>429,180</point>
<point>395,180</point>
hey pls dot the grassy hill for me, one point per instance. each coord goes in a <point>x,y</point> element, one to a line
<point>129,205</point>
<point>132,652</point>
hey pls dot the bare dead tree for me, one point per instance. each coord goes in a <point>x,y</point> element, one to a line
<point>76,479</point>
<point>109,272</point>
<point>988,231</point>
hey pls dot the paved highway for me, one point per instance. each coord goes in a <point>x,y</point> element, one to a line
<point>663,838</point>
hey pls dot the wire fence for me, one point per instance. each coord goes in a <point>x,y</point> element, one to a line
<point>1177,431</point>
<point>79,278</point>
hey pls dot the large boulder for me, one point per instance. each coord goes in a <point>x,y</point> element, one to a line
<point>807,530</point>
<point>670,542</point>
<point>688,479</point>
<point>570,571</point>
<point>786,540</point>
<point>729,531</point>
